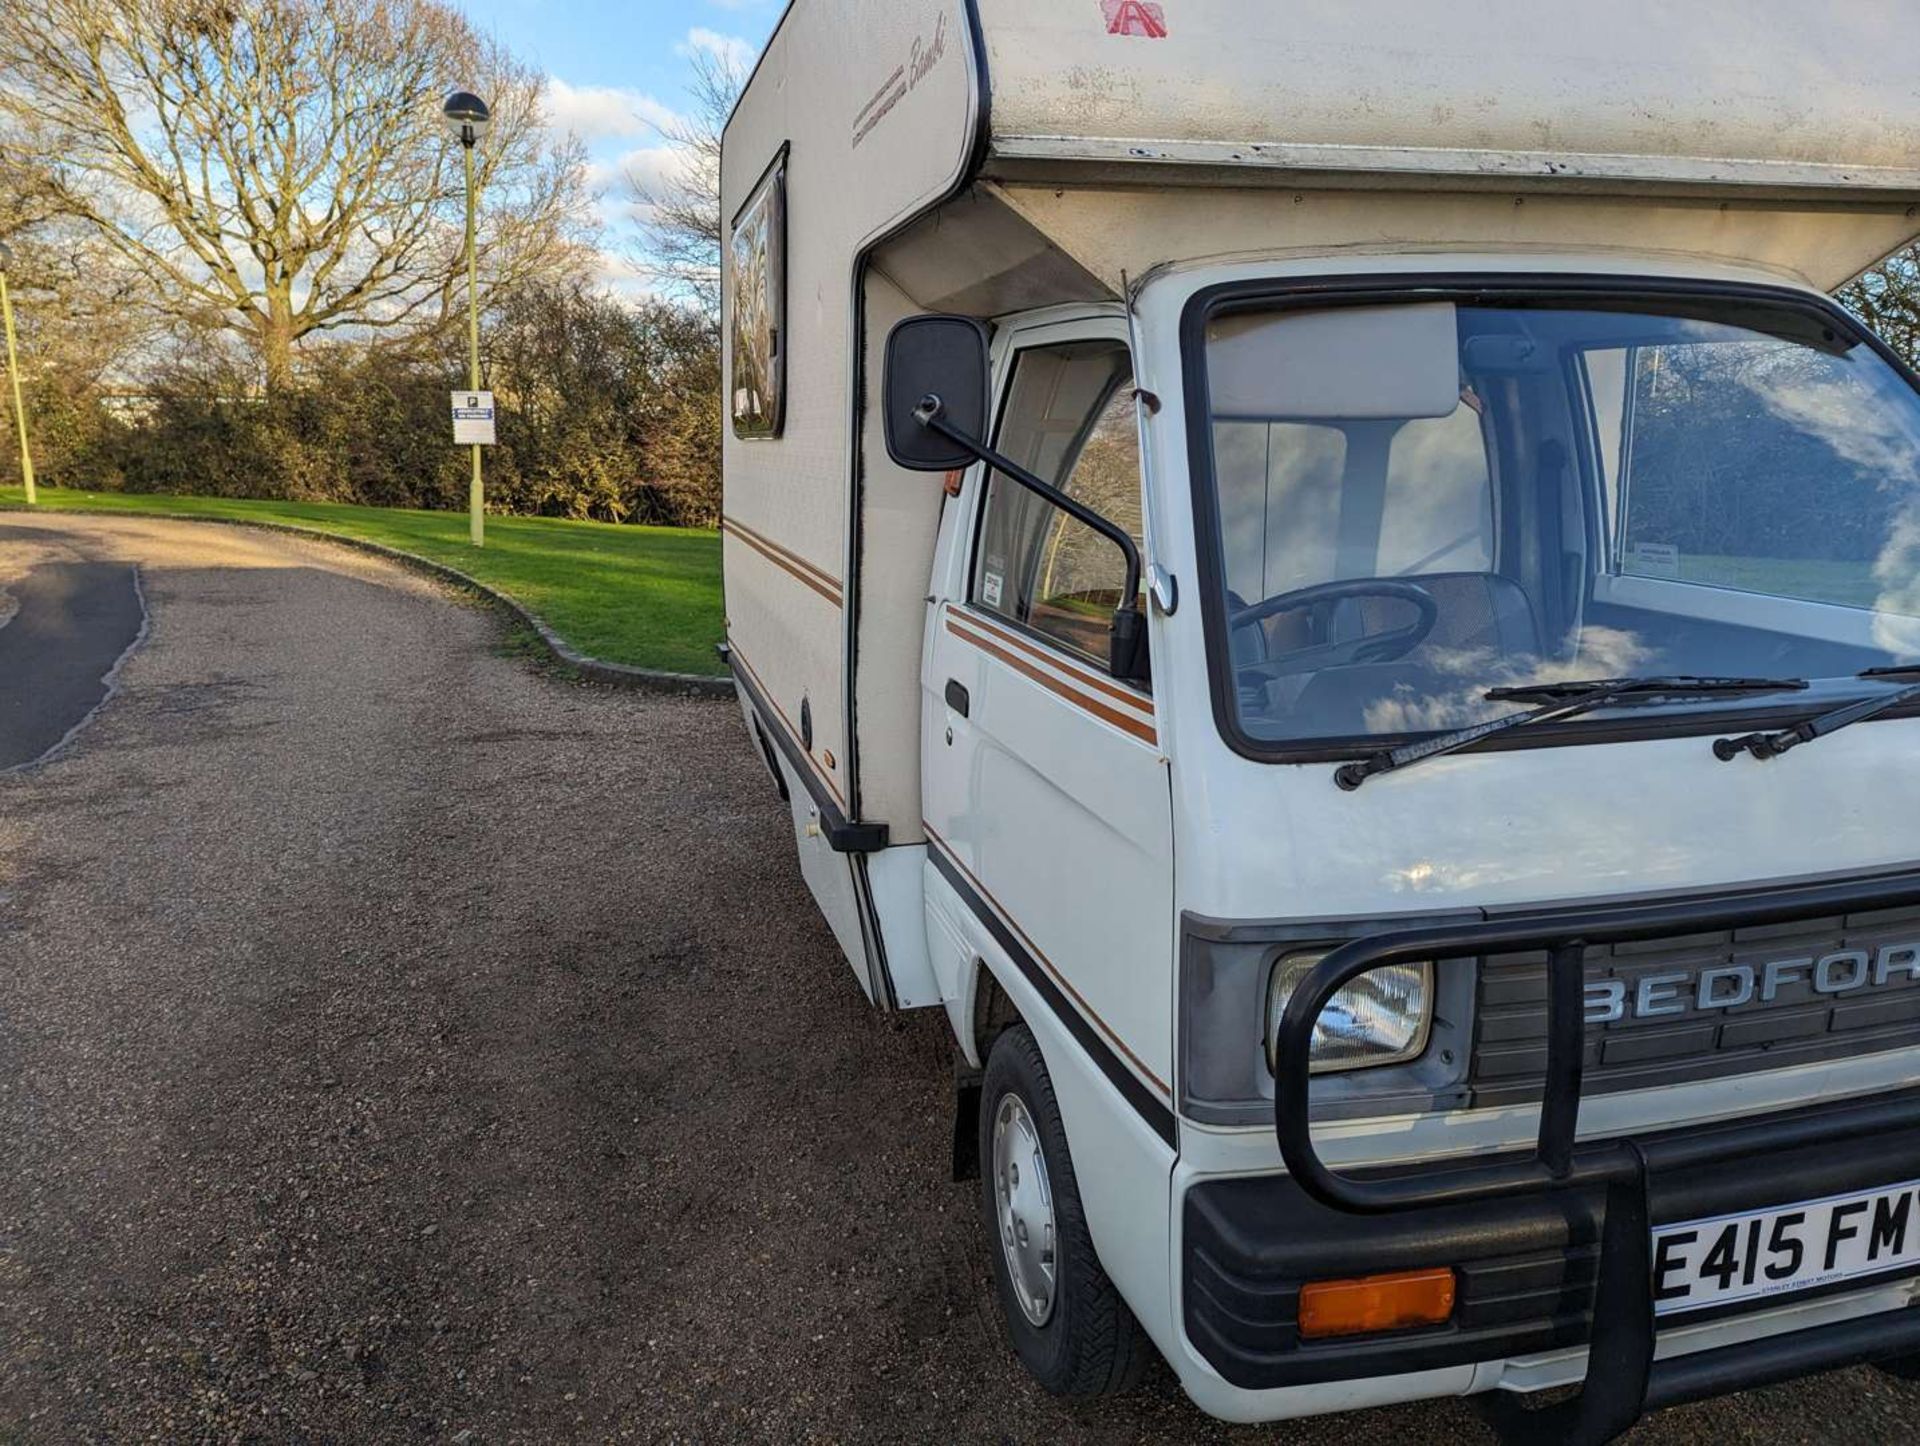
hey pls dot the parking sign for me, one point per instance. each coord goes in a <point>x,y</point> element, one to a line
<point>473,418</point>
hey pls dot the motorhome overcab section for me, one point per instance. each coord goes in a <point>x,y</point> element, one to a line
<point>1326,637</point>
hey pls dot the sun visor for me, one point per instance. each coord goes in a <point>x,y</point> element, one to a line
<point>1342,364</point>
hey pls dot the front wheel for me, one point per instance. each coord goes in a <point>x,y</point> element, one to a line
<point>1068,1324</point>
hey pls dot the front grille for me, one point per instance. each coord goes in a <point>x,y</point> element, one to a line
<point>1801,1022</point>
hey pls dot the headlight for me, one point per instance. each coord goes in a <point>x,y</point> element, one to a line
<point>1380,1018</point>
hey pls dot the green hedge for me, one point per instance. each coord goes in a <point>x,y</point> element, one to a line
<point>607,411</point>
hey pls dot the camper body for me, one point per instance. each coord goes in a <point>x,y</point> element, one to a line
<point>1419,357</point>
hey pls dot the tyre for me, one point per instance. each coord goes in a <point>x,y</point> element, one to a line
<point>1067,1323</point>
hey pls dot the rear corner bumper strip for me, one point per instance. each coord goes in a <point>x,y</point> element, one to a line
<point>842,835</point>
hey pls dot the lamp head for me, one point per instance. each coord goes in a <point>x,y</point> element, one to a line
<point>466,116</point>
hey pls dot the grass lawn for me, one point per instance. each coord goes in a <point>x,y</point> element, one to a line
<point>1850,584</point>
<point>648,596</point>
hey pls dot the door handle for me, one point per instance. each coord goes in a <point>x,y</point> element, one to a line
<point>958,698</point>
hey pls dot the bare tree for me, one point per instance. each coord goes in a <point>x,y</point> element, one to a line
<point>679,214</point>
<point>276,168</point>
<point>1887,298</point>
<point>77,303</point>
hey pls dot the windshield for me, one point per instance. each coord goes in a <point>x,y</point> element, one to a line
<point>1418,502</point>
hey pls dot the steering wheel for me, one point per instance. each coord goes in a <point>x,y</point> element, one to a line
<point>1382,647</point>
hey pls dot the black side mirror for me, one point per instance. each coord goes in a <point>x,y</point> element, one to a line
<point>942,357</point>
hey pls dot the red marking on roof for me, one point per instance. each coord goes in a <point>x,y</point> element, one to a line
<point>1135,17</point>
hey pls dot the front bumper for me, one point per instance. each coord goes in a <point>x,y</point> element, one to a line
<point>1605,1195</point>
<point>1526,1265</point>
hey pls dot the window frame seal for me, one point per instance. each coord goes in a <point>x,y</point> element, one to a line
<point>772,180</point>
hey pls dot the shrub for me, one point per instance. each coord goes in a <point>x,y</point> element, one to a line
<point>607,410</point>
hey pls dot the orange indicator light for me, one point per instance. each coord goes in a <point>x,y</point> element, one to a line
<point>1376,1303</point>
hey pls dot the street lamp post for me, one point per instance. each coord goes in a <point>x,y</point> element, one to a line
<point>466,116</point>
<point>13,371</point>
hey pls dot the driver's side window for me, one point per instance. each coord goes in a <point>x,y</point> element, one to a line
<point>1069,418</point>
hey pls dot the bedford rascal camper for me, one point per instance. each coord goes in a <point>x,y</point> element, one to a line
<point>1329,583</point>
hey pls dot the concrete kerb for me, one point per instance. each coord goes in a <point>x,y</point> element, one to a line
<point>618,675</point>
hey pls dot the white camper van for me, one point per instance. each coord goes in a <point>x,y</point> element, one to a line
<point>1328,583</point>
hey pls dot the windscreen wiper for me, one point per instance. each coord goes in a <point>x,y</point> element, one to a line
<point>1565,700</point>
<point>1772,745</point>
<point>1678,683</point>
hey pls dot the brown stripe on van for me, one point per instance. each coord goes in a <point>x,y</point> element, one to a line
<point>1098,684</point>
<point>1125,722</point>
<point>789,562</point>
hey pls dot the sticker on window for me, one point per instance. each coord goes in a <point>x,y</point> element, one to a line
<point>1653,559</point>
<point>990,589</point>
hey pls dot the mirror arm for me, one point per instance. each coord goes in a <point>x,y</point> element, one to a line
<point>927,414</point>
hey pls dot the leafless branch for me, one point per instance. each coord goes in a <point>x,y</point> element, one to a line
<point>276,168</point>
<point>679,215</point>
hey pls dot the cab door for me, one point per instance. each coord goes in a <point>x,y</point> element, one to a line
<point>1046,793</point>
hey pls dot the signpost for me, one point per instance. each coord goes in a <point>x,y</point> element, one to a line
<point>467,116</point>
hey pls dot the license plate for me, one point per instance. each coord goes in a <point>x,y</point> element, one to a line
<point>1699,1263</point>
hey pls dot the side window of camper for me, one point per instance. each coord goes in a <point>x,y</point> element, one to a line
<point>1069,418</point>
<point>756,295</point>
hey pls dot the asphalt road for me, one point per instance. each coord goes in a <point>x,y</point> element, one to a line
<point>67,622</point>
<point>398,1043</point>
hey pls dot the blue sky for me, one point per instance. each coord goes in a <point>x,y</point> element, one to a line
<point>616,70</point>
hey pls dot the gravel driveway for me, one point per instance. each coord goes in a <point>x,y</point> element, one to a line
<point>399,1043</point>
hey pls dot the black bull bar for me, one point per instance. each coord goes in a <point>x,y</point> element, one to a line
<point>1622,1381</point>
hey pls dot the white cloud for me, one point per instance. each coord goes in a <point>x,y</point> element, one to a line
<point>597,112</point>
<point>730,50</point>
<point>624,279</point>
<point>617,272</point>
<point>647,167</point>
<point>652,166</point>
